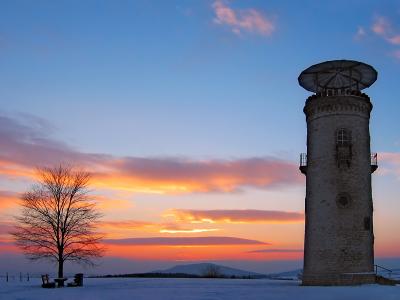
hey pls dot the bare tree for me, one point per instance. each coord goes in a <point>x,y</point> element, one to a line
<point>58,219</point>
<point>212,271</point>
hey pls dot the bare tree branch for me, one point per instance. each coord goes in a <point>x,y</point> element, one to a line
<point>58,219</point>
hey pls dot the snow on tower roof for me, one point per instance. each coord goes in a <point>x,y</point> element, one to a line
<point>338,74</point>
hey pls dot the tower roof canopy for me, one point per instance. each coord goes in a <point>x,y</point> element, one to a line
<point>338,74</point>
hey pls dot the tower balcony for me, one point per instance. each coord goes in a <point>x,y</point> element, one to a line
<point>303,163</point>
<point>338,92</point>
<point>374,162</point>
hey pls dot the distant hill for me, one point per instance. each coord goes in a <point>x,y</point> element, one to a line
<point>207,269</point>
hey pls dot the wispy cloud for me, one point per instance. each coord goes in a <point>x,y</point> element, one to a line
<point>184,241</point>
<point>242,20</point>
<point>123,228</point>
<point>396,54</point>
<point>6,227</point>
<point>383,28</point>
<point>24,147</point>
<point>26,143</point>
<point>4,42</point>
<point>187,230</point>
<point>360,34</point>
<point>127,224</point>
<point>237,216</point>
<point>389,163</point>
<point>276,251</point>
<point>172,228</point>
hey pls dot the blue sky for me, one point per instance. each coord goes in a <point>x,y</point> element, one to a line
<point>148,72</point>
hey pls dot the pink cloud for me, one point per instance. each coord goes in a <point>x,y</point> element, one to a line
<point>184,241</point>
<point>396,54</point>
<point>395,39</point>
<point>389,163</point>
<point>6,227</point>
<point>383,28</point>
<point>237,216</point>
<point>26,142</point>
<point>277,251</point>
<point>250,20</point>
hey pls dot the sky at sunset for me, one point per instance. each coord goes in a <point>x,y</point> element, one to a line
<point>189,116</point>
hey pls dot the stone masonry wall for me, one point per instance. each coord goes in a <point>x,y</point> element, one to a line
<point>338,238</point>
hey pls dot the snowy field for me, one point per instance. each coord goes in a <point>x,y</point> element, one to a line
<point>190,289</point>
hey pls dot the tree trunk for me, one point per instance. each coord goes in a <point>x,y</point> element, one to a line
<point>60,268</point>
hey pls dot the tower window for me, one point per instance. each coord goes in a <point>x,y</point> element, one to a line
<point>343,137</point>
<point>343,200</point>
<point>343,148</point>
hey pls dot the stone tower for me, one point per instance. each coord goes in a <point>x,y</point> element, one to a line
<point>339,239</point>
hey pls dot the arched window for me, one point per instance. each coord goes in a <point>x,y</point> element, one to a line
<point>343,137</point>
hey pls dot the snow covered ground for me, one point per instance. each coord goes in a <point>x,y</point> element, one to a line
<point>190,289</point>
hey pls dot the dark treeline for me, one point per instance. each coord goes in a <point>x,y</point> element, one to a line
<point>174,275</point>
<point>151,275</point>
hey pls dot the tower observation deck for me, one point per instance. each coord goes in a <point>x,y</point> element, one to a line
<point>338,246</point>
<point>338,76</point>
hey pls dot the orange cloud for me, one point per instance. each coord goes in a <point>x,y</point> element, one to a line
<point>177,229</point>
<point>237,216</point>
<point>194,230</point>
<point>249,20</point>
<point>14,171</point>
<point>111,204</point>
<point>126,224</point>
<point>24,148</point>
<point>176,175</point>
<point>8,199</point>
